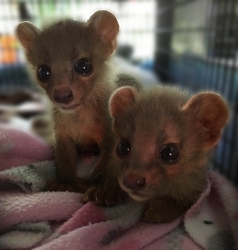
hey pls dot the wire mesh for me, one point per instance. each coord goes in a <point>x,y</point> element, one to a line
<point>196,48</point>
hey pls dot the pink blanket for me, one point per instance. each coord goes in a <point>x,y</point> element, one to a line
<point>19,148</point>
<point>33,219</point>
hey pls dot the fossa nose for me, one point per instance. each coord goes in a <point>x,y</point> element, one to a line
<point>134,181</point>
<point>63,95</point>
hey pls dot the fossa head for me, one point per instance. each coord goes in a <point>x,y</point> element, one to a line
<point>69,56</point>
<point>164,137</point>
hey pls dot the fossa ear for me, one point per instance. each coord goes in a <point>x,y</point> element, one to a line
<point>211,113</point>
<point>26,32</point>
<point>121,99</point>
<point>107,27</point>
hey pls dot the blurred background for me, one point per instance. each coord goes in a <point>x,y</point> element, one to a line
<point>187,43</point>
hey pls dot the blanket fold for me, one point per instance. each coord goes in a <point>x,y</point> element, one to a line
<point>30,178</point>
<point>33,219</point>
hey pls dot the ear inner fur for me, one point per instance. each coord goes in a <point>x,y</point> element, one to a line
<point>107,27</point>
<point>121,99</point>
<point>211,113</point>
<point>26,32</point>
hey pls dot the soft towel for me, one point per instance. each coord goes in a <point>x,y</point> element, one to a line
<point>33,219</point>
<point>18,147</point>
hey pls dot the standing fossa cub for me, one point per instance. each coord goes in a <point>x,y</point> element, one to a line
<point>164,139</point>
<point>69,59</point>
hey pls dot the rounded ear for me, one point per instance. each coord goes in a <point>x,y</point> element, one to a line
<point>210,111</point>
<point>26,32</point>
<point>107,27</point>
<point>120,99</point>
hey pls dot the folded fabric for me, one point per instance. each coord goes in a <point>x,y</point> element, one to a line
<point>33,219</point>
<point>211,223</point>
<point>24,235</point>
<point>18,148</point>
<point>30,178</point>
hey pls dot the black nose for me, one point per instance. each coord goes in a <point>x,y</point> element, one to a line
<point>134,181</point>
<point>63,95</point>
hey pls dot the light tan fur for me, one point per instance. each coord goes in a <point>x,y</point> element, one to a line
<point>151,119</point>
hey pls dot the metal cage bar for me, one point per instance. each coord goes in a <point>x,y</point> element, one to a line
<point>211,64</point>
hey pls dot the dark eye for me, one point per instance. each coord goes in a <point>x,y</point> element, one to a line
<point>123,148</point>
<point>83,67</point>
<point>169,153</point>
<point>44,73</point>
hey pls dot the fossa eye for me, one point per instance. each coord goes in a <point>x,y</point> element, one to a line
<point>169,153</point>
<point>123,148</point>
<point>83,67</point>
<point>44,73</point>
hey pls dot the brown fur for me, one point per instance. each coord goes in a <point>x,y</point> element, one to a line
<point>153,118</point>
<point>84,124</point>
